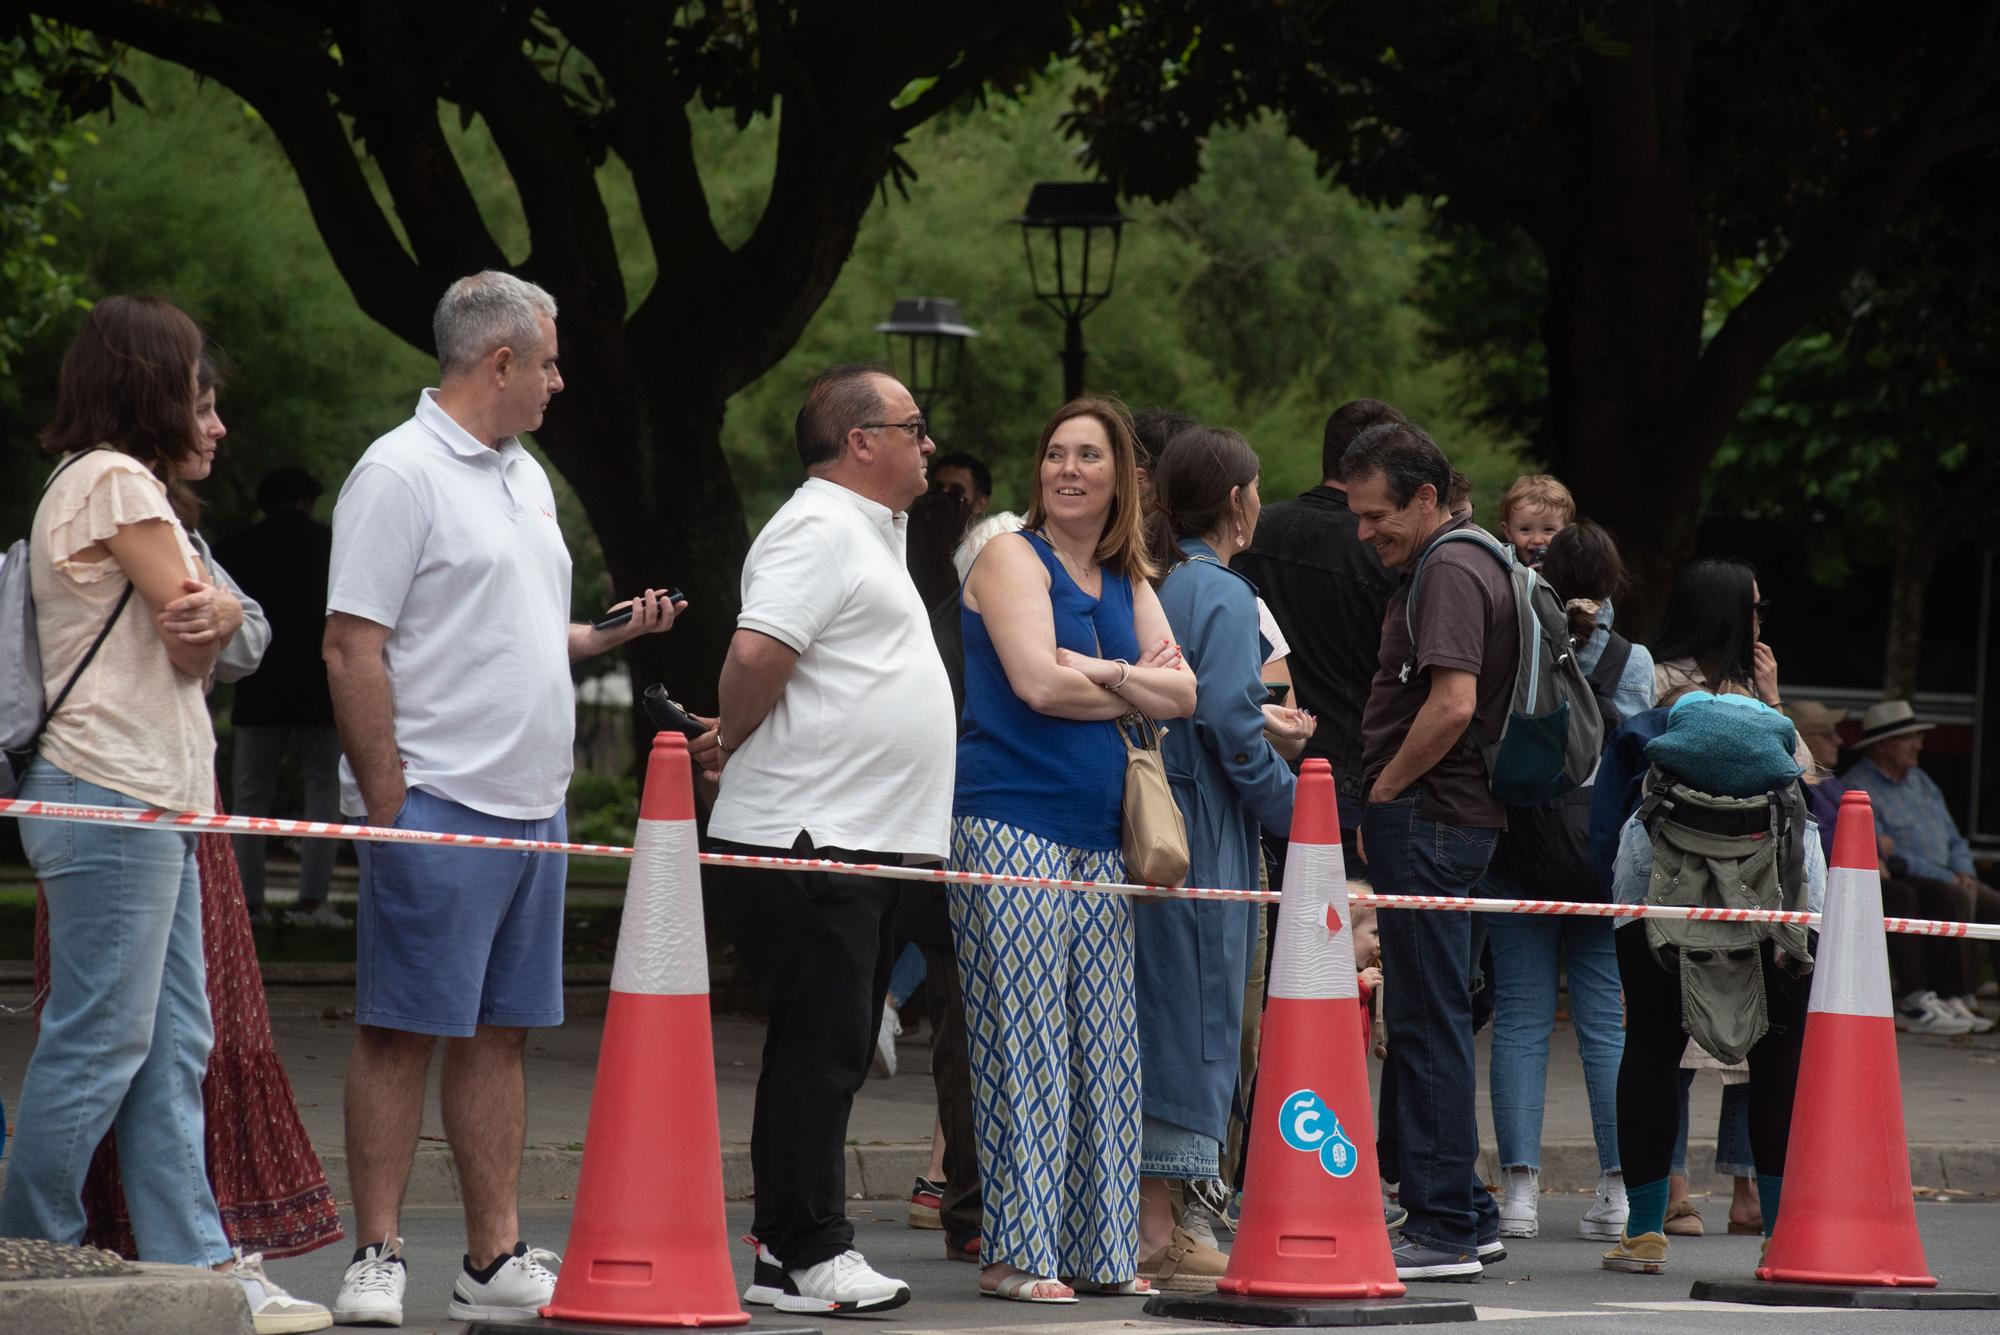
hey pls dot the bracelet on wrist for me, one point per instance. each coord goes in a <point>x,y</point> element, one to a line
<point>1124,672</point>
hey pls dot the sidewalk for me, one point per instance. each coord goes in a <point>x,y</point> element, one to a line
<point>1949,1089</point>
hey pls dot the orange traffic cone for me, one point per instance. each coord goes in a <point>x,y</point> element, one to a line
<point>648,1244</point>
<point>1312,1227</point>
<point>1846,1231</point>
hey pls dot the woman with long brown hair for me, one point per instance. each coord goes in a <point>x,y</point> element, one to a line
<point>1063,636</point>
<point>131,626</point>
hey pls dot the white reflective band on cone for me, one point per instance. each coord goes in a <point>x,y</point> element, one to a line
<point>1851,969</point>
<point>662,950</point>
<point>1308,962</point>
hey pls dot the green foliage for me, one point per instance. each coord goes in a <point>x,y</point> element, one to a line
<point>37,144</point>
<point>1261,299</point>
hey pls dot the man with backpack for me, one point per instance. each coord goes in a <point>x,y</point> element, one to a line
<point>1441,695</point>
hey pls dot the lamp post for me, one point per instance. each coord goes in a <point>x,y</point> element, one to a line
<point>932,337</point>
<point>1065,229</point>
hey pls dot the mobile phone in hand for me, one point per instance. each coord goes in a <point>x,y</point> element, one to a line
<point>668,716</point>
<point>617,619</point>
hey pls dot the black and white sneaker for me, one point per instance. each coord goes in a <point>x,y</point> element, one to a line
<point>1492,1253</point>
<point>838,1286</point>
<point>768,1280</point>
<point>1415,1261</point>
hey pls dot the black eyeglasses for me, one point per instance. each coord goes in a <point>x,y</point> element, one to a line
<point>1762,607</point>
<point>918,428</point>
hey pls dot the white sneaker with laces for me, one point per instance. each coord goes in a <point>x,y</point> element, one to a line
<point>1204,1215</point>
<point>1521,1203</point>
<point>272,1310</point>
<point>1605,1219</point>
<point>371,1292</point>
<point>885,1042</point>
<point>1962,1008</point>
<point>1925,1013</point>
<point>844,1283</point>
<point>517,1291</point>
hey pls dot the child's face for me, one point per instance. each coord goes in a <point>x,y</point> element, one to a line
<point>1367,943</point>
<point>1531,528</point>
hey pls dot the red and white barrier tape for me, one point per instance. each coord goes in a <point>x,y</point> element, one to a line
<point>269,825</point>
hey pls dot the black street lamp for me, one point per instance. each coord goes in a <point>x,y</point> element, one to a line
<point>1064,230</point>
<point>932,337</point>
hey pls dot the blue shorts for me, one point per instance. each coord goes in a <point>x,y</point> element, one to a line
<point>452,938</point>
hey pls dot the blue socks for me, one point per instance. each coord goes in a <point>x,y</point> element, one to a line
<point>1769,1189</point>
<point>1648,1202</point>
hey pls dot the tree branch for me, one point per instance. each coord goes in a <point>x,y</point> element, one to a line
<point>650,130</point>
<point>287,83</point>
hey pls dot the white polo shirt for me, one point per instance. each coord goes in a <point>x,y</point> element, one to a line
<point>860,750</point>
<point>455,547</point>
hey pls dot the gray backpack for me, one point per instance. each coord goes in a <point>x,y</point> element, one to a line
<point>1732,853</point>
<point>1553,734</point>
<point>23,715</point>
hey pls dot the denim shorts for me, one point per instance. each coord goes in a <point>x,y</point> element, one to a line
<point>450,938</point>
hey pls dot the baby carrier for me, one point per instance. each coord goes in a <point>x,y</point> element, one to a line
<point>1738,849</point>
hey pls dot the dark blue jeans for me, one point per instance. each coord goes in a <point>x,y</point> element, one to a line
<point>1426,960</point>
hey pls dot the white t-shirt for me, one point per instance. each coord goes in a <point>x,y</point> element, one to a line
<point>455,548</point>
<point>1268,626</point>
<point>860,749</point>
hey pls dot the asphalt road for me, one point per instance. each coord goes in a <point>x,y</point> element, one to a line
<point>1553,1280</point>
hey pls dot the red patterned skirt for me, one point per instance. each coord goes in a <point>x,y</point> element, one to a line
<point>268,1183</point>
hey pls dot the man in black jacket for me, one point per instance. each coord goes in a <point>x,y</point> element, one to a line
<point>1328,590</point>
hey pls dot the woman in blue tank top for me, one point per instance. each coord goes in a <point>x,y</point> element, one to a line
<point>1063,635</point>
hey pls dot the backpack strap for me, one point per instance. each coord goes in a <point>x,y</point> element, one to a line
<point>1611,664</point>
<point>102,634</point>
<point>1500,552</point>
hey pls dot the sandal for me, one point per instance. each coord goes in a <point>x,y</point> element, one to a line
<point>1747,1229</point>
<point>1020,1287</point>
<point>1136,1287</point>
<point>1684,1221</point>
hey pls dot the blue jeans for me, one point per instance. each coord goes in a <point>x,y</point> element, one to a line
<point>908,974</point>
<point>1525,953</point>
<point>125,1034</point>
<point>1733,1156</point>
<point>1426,961</point>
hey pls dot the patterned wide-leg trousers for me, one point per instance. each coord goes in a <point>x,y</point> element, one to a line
<point>1054,1045</point>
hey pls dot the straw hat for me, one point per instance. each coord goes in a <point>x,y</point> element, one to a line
<point>1889,718</point>
<point>1807,715</point>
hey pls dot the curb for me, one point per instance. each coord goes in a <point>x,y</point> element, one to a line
<point>160,1298</point>
<point>884,1172</point>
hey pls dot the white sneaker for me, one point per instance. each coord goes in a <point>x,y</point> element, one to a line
<point>1521,1203</point>
<point>1924,1013</point>
<point>885,1042</point>
<point>1962,1008</point>
<point>272,1310</point>
<point>1606,1218</point>
<point>371,1292</point>
<point>518,1290</point>
<point>324,915</point>
<point>1203,1215</point>
<point>844,1283</point>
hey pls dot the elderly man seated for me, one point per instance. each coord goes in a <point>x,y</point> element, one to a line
<point>1925,848</point>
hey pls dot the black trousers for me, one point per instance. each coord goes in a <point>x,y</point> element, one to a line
<point>1649,1105</point>
<point>817,949</point>
<point>951,1073</point>
<point>1927,963</point>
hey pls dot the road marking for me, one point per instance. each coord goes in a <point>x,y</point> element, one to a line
<point>1739,1309</point>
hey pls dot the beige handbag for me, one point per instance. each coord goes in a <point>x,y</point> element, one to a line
<point>1156,842</point>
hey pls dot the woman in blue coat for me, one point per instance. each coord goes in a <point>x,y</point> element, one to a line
<point>1192,956</point>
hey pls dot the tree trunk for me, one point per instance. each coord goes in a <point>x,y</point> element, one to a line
<point>1628,267</point>
<point>1916,560</point>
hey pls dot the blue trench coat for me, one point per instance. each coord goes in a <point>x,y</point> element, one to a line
<point>1193,957</point>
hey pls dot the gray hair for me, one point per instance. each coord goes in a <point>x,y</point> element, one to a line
<point>840,399</point>
<point>485,311</point>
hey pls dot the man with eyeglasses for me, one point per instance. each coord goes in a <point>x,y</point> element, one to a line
<point>836,740</point>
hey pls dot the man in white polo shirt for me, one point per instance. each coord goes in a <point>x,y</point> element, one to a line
<point>837,739</point>
<point>448,645</point>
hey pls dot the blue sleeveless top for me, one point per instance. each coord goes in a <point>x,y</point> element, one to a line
<point>1061,779</point>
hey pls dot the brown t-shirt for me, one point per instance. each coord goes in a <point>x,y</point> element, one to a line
<point>1465,619</point>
